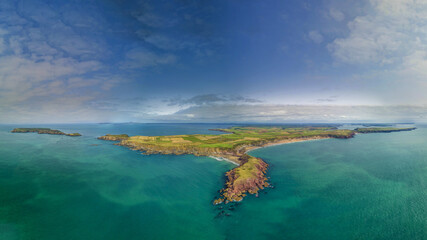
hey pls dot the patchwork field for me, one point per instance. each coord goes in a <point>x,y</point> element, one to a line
<point>238,136</point>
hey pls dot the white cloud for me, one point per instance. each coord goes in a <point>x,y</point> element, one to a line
<point>315,36</point>
<point>392,30</point>
<point>390,43</point>
<point>22,78</point>
<point>295,113</point>
<point>206,99</point>
<point>337,15</point>
<point>155,20</point>
<point>140,58</point>
<point>45,63</point>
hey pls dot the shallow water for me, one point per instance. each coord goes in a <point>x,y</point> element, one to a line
<point>56,187</point>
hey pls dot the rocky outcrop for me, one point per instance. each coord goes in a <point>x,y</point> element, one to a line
<point>248,178</point>
<point>73,134</point>
<point>109,137</point>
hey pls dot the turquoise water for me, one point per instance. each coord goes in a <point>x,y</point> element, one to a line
<point>373,186</point>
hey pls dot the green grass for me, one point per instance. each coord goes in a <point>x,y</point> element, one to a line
<point>192,138</point>
<point>74,134</point>
<point>246,171</point>
<point>240,136</point>
<point>118,135</point>
<point>237,136</point>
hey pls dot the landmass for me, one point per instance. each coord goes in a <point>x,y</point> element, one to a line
<point>44,131</point>
<point>250,175</point>
<point>382,129</point>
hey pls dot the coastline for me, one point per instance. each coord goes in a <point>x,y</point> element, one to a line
<point>233,192</point>
<point>286,141</point>
<point>249,174</point>
<point>249,149</point>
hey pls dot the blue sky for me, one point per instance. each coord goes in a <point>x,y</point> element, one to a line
<point>212,61</point>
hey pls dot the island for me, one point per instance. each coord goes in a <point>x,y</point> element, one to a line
<point>44,131</point>
<point>382,129</point>
<point>250,174</point>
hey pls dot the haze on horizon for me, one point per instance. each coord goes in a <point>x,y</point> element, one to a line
<point>213,61</point>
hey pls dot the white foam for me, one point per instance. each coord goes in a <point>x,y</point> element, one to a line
<point>223,159</point>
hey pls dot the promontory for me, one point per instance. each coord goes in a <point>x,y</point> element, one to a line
<point>250,175</point>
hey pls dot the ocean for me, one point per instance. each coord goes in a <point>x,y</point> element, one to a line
<point>373,186</point>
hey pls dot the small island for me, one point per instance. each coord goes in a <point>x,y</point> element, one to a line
<point>250,175</point>
<point>44,131</point>
<point>382,129</point>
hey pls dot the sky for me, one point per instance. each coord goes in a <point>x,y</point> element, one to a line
<point>213,61</point>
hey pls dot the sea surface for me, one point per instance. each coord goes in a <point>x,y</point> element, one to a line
<point>373,186</point>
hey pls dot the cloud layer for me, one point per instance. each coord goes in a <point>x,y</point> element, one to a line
<point>226,61</point>
<point>276,113</point>
<point>391,31</point>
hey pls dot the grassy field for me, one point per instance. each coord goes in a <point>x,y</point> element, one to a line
<point>237,136</point>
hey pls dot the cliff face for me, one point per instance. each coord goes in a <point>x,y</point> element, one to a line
<point>175,150</point>
<point>343,136</point>
<point>247,178</point>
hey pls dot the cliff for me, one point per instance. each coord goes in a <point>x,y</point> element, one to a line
<point>247,178</point>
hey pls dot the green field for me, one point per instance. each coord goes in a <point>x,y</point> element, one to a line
<point>237,136</point>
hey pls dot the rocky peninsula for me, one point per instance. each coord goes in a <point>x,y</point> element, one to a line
<point>250,175</point>
<point>44,131</point>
